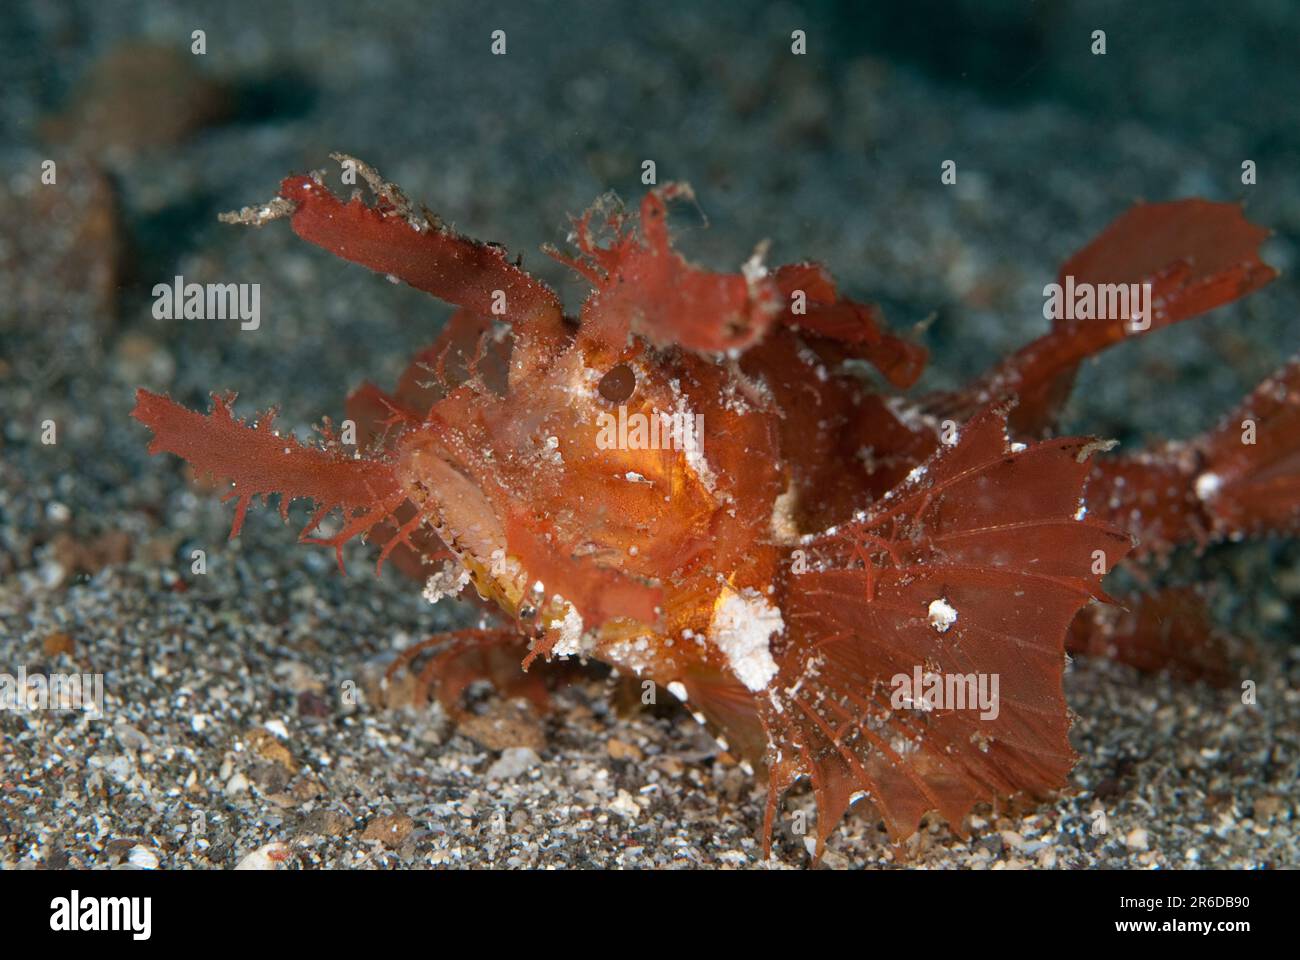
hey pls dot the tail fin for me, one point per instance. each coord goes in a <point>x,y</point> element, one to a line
<point>1169,630</point>
<point>1250,478</point>
<point>1240,480</point>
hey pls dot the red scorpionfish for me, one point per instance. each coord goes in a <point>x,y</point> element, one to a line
<point>696,482</point>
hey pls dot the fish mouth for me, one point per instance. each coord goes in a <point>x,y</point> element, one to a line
<point>465,519</point>
<point>444,491</point>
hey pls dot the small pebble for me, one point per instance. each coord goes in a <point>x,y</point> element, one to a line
<point>513,762</point>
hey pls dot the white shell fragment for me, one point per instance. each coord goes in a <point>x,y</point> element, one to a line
<point>942,615</point>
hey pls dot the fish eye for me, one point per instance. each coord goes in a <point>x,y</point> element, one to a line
<point>618,384</point>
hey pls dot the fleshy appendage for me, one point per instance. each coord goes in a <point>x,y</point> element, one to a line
<point>257,461</point>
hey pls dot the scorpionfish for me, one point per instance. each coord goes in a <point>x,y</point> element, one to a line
<point>713,481</point>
